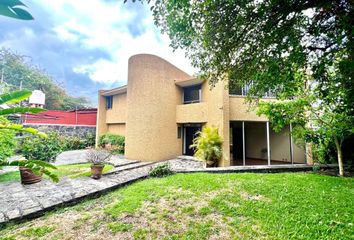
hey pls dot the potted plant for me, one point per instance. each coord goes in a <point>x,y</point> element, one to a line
<point>208,145</point>
<point>97,157</point>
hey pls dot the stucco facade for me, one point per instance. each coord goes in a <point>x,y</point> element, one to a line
<point>161,106</point>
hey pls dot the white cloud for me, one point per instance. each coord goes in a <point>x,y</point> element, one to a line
<point>97,24</point>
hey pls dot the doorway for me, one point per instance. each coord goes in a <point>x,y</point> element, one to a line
<point>190,131</point>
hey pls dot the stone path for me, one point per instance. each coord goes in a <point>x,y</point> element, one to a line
<point>79,156</point>
<point>19,201</point>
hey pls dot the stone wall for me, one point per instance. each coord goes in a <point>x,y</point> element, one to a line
<point>66,130</point>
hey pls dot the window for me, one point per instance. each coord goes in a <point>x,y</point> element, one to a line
<point>109,102</point>
<point>243,91</point>
<point>179,132</point>
<point>192,94</point>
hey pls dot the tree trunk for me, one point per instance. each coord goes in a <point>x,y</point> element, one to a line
<point>339,156</point>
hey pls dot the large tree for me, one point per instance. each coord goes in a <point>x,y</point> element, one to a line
<point>282,45</point>
<point>16,71</point>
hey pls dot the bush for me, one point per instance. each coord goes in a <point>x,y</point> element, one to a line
<point>76,142</point>
<point>117,141</point>
<point>7,141</point>
<point>161,171</point>
<point>209,146</point>
<point>45,149</point>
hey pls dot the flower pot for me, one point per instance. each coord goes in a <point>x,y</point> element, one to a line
<point>29,177</point>
<point>209,164</point>
<point>96,171</point>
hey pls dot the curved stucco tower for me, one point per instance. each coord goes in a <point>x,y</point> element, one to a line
<point>152,97</point>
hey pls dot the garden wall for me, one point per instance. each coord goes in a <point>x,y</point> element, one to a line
<point>65,129</point>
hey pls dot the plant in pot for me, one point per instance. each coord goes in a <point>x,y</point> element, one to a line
<point>42,150</point>
<point>208,145</point>
<point>32,168</point>
<point>97,157</point>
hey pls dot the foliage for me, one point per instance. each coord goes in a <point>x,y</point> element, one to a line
<point>37,148</point>
<point>36,166</point>
<point>17,70</point>
<point>78,142</point>
<point>208,146</point>
<point>14,9</point>
<point>7,141</point>
<point>116,141</point>
<point>69,170</point>
<point>98,156</point>
<point>320,114</point>
<point>268,42</point>
<point>162,170</point>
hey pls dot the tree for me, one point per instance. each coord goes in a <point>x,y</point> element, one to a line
<point>275,45</point>
<point>14,9</point>
<point>266,42</point>
<point>16,71</point>
<point>319,119</point>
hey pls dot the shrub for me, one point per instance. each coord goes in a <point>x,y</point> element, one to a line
<point>161,171</point>
<point>117,141</point>
<point>98,156</point>
<point>77,142</point>
<point>45,149</point>
<point>7,141</point>
<point>209,146</point>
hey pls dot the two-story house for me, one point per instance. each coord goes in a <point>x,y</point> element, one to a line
<point>161,109</point>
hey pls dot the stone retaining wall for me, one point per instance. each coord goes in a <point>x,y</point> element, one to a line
<point>66,129</point>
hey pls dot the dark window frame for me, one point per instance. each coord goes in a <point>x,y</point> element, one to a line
<point>109,102</point>
<point>196,88</point>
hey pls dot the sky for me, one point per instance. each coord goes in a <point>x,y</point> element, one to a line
<point>85,45</point>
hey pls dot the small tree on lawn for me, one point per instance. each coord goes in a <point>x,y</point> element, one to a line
<point>319,115</point>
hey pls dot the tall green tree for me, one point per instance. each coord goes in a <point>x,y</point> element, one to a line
<point>267,42</point>
<point>16,72</point>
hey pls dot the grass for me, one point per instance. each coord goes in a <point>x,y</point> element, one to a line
<point>208,206</point>
<point>70,170</point>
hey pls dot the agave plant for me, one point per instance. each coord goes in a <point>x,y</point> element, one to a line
<point>208,145</point>
<point>10,98</point>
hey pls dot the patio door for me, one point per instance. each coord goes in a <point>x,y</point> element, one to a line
<point>189,133</point>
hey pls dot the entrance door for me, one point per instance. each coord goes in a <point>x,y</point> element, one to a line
<point>190,133</point>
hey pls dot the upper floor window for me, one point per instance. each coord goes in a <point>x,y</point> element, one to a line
<point>243,91</point>
<point>192,94</point>
<point>109,102</point>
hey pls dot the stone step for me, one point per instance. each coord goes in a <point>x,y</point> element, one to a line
<point>129,167</point>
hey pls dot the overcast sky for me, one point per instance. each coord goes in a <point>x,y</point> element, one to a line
<point>86,44</point>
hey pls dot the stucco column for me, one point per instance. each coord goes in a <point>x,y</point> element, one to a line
<point>101,126</point>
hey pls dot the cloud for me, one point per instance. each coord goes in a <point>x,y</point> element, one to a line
<point>85,45</point>
<point>114,28</point>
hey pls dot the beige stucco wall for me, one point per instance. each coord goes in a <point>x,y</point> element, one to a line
<point>242,111</point>
<point>118,112</point>
<point>116,128</point>
<point>152,96</point>
<point>192,113</point>
<point>217,100</point>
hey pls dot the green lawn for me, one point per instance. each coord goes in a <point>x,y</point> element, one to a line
<point>70,170</point>
<point>207,206</point>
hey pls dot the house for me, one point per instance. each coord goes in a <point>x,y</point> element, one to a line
<point>161,109</point>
